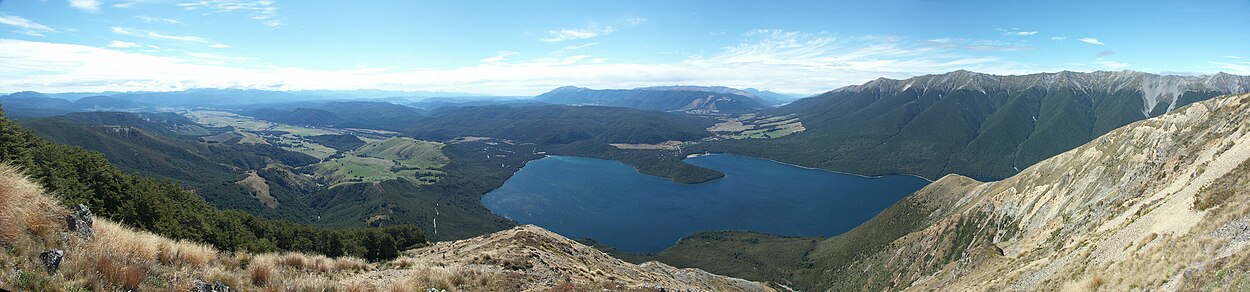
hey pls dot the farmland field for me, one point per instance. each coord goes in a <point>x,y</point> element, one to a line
<point>386,160</point>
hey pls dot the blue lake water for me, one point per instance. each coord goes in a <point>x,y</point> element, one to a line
<point>614,204</point>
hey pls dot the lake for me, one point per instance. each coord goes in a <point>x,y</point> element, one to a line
<point>614,204</point>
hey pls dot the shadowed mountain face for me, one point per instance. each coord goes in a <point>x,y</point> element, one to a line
<point>691,99</point>
<point>979,125</point>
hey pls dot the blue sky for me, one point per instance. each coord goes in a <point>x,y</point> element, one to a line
<point>529,47</point>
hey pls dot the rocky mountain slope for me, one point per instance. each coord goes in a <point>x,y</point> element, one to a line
<point>43,252</point>
<point>1160,203</point>
<point>973,124</point>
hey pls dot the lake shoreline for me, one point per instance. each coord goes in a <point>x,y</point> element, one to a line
<point>696,155</point>
<point>616,205</point>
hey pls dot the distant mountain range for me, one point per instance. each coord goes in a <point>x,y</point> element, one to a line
<point>690,99</point>
<point>980,125</point>
<point>35,104</point>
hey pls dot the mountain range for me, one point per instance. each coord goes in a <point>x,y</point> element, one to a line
<point>690,99</point>
<point>1098,181</point>
<point>980,125</point>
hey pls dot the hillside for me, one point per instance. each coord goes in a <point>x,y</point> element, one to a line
<point>688,99</point>
<point>341,114</point>
<point>80,177</point>
<point>561,124</point>
<point>1160,203</point>
<point>397,182</point>
<point>210,168</point>
<point>45,253</point>
<point>978,125</point>
<point>28,104</point>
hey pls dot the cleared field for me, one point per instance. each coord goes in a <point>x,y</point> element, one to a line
<point>408,152</point>
<point>222,119</point>
<point>303,131</point>
<point>386,160</point>
<point>752,127</point>
<point>262,132</point>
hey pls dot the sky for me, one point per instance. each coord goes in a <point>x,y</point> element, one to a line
<point>530,47</point>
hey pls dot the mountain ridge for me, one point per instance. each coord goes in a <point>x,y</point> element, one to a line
<point>689,99</point>
<point>978,125</point>
<point>1156,87</point>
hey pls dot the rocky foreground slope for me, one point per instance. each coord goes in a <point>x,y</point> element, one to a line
<point>49,248</point>
<point>1161,203</point>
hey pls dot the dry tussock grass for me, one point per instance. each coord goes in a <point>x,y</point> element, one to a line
<point>312,263</point>
<point>454,279</point>
<point>26,209</point>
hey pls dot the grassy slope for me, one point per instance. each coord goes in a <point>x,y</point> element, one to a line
<point>211,169</point>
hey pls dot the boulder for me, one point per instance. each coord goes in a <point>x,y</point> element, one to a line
<point>216,286</point>
<point>80,222</point>
<point>52,259</point>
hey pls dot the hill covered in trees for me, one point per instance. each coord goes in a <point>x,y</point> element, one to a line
<point>980,125</point>
<point>79,176</point>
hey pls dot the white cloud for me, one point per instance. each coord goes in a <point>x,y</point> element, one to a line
<point>634,20</point>
<point>263,11</point>
<point>25,26</point>
<point>574,47</point>
<point>779,60</point>
<point>219,46</point>
<point>1092,41</point>
<point>503,55</point>
<point>122,45</point>
<point>85,5</point>
<point>1239,68</point>
<point>979,45</point>
<point>165,37</point>
<point>1015,31</point>
<point>1058,38</point>
<point>576,34</point>
<point>1113,65</point>
<point>151,19</point>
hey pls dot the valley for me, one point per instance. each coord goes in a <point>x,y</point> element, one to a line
<point>642,146</point>
<point>639,185</point>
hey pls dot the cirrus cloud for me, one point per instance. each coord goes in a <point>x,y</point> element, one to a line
<point>1092,41</point>
<point>26,26</point>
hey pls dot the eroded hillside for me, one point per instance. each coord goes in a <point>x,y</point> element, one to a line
<point>43,253</point>
<point>1161,203</point>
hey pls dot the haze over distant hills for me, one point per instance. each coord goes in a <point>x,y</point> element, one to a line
<point>980,125</point>
<point>692,99</point>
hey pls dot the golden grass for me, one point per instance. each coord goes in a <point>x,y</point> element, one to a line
<point>311,263</point>
<point>261,273</point>
<point>26,210</point>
